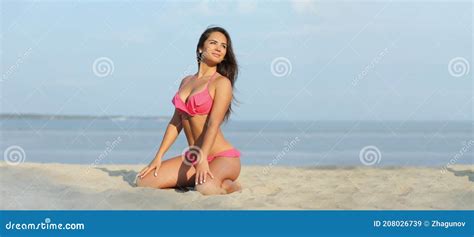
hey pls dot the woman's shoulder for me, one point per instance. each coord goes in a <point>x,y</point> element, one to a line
<point>222,83</point>
<point>188,77</point>
<point>185,79</point>
<point>221,80</point>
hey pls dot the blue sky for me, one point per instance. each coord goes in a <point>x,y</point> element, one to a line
<point>299,60</point>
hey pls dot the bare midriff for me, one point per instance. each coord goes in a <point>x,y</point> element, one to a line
<point>193,127</point>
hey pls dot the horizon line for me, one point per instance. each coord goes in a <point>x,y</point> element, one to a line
<point>162,117</point>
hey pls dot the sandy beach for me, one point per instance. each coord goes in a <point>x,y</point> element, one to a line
<point>110,187</point>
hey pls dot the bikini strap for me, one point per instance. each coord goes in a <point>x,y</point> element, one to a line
<point>212,78</point>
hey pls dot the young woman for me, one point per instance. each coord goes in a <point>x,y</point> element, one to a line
<point>202,103</point>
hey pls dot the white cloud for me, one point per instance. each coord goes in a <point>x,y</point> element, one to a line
<point>304,6</point>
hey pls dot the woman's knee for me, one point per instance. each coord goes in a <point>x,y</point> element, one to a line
<point>143,183</point>
<point>171,173</point>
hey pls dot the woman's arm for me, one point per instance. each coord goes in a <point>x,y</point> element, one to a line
<point>222,100</point>
<point>172,131</point>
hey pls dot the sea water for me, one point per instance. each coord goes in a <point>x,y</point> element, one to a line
<point>275,143</point>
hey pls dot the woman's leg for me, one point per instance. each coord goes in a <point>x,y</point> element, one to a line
<point>171,174</point>
<point>225,171</point>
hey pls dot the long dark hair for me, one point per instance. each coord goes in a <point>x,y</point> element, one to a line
<point>228,67</point>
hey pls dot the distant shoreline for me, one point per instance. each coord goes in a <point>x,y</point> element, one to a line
<point>123,117</point>
<point>51,116</point>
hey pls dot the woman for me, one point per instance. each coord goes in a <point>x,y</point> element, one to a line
<point>202,103</point>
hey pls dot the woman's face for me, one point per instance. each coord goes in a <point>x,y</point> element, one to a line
<point>215,48</point>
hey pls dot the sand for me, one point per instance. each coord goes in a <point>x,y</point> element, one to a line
<point>110,187</point>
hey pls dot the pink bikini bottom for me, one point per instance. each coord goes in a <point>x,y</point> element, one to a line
<point>234,153</point>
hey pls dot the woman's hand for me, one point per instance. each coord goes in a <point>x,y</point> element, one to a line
<point>154,165</point>
<point>202,170</point>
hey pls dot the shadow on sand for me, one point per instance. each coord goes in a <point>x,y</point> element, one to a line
<point>130,176</point>
<point>468,173</point>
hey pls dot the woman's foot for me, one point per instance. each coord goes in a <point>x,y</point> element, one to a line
<point>231,186</point>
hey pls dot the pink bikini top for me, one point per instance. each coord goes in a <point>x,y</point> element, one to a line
<point>197,104</point>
